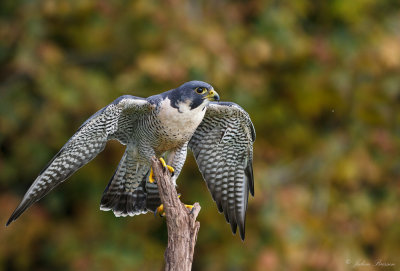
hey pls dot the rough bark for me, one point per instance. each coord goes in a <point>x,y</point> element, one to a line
<point>181,223</point>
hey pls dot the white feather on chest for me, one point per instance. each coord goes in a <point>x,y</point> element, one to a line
<point>180,122</point>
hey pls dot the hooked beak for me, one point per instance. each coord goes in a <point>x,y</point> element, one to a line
<point>212,96</point>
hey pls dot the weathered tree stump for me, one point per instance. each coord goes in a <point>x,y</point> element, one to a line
<point>181,223</point>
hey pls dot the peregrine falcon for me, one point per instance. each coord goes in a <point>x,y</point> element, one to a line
<point>220,135</point>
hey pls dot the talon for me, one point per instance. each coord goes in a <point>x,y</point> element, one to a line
<point>171,169</point>
<point>190,207</point>
<point>160,211</point>
<point>151,176</point>
<point>163,162</point>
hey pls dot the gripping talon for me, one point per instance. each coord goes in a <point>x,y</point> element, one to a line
<point>190,207</point>
<point>160,211</point>
<point>171,169</point>
<point>163,162</point>
<point>151,176</point>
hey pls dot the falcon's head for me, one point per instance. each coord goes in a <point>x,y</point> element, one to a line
<point>193,94</point>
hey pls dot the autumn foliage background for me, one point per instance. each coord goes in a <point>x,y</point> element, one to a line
<point>320,80</point>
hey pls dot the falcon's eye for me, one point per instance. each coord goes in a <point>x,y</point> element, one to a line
<point>201,90</point>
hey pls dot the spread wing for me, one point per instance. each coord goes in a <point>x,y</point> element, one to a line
<point>223,148</point>
<point>115,121</point>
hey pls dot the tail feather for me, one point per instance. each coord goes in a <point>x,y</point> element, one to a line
<point>153,197</point>
<point>126,193</point>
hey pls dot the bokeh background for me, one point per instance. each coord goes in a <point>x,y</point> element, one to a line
<point>320,80</point>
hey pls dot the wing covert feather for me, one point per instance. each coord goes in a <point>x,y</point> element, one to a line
<point>223,148</point>
<point>89,140</point>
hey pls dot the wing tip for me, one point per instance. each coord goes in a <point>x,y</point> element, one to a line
<point>233,227</point>
<point>241,222</point>
<point>242,231</point>
<point>9,221</point>
<point>14,216</point>
<point>25,204</point>
<point>250,177</point>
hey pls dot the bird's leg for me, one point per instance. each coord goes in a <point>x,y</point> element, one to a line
<point>190,207</point>
<point>160,209</point>
<point>171,169</point>
<point>151,176</point>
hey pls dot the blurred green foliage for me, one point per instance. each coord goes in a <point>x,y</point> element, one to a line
<point>320,80</point>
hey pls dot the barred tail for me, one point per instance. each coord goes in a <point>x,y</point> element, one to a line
<point>126,193</point>
<point>153,198</point>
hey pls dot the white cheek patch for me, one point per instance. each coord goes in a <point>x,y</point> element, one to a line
<point>184,107</point>
<point>166,109</point>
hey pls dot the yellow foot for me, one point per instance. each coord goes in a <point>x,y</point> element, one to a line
<point>160,210</point>
<point>190,207</point>
<point>171,169</point>
<point>151,176</point>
